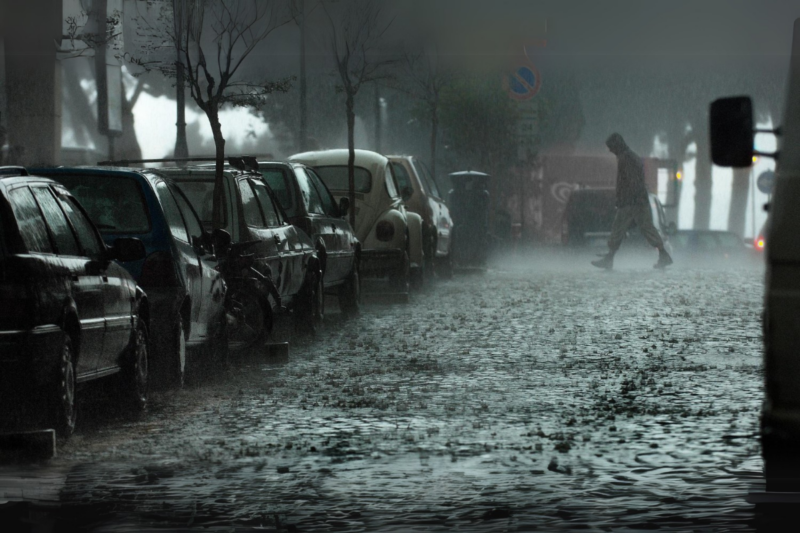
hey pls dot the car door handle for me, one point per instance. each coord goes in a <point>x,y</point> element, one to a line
<point>277,240</point>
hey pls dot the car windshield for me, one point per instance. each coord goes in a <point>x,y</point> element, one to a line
<point>335,177</point>
<point>114,203</point>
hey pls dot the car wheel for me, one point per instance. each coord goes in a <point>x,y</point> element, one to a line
<point>417,276</point>
<point>350,293</point>
<point>135,371</point>
<point>176,355</point>
<point>62,409</point>
<point>311,309</point>
<point>444,267</point>
<point>218,347</point>
<point>249,318</point>
<point>401,279</point>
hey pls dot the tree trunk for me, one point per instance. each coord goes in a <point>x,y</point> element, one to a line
<point>303,133</point>
<point>739,193</point>
<point>218,209</point>
<point>128,143</point>
<point>434,134</point>
<point>702,182</point>
<point>351,158</point>
<point>181,146</point>
<point>377,119</point>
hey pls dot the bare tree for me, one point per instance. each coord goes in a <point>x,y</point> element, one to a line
<point>357,33</point>
<point>426,78</point>
<point>212,38</point>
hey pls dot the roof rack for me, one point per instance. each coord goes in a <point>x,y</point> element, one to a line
<point>13,171</point>
<point>128,162</point>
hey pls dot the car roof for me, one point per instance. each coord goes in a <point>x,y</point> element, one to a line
<point>94,170</point>
<point>339,157</point>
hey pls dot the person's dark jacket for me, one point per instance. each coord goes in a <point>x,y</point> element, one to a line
<point>631,188</point>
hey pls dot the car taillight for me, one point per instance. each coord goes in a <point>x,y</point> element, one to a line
<point>17,303</point>
<point>759,243</point>
<point>158,270</point>
<point>384,231</point>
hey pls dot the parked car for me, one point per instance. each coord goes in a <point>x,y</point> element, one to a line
<point>310,206</point>
<point>185,291</point>
<point>469,204</point>
<point>589,215</point>
<point>69,313</point>
<point>390,235</point>
<point>283,253</point>
<point>732,127</point>
<point>421,194</point>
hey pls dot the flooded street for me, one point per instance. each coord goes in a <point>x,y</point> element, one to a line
<point>534,395</point>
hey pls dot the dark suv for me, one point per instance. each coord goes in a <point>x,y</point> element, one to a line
<point>68,312</point>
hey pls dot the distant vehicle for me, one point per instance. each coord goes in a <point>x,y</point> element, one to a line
<point>283,253</point>
<point>711,245</point>
<point>589,215</point>
<point>469,206</point>
<point>185,291</point>
<point>69,313</point>
<point>421,194</point>
<point>732,128</point>
<point>310,206</point>
<point>390,235</point>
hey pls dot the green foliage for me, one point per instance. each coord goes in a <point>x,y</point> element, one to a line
<point>478,121</point>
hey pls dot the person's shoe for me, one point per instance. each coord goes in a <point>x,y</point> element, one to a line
<point>606,262</point>
<point>664,259</point>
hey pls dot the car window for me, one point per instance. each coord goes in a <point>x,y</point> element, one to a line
<point>87,236</point>
<point>171,212</point>
<point>401,176</point>
<point>193,225</point>
<point>54,217</point>
<point>311,198</point>
<point>278,181</point>
<point>267,207</point>
<point>336,178</point>
<point>328,203</point>
<point>115,204</point>
<point>424,172</point>
<point>391,184</point>
<point>200,194</point>
<point>30,221</point>
<point>252,212</point>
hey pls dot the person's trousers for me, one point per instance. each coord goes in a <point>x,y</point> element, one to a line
<point>628,215</point>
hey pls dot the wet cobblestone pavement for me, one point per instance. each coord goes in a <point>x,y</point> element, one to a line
<point>537,395</point>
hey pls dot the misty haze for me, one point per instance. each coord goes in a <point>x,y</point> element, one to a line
<point>360,265</point>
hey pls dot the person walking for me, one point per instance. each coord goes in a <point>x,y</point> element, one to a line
<point>633,205</point>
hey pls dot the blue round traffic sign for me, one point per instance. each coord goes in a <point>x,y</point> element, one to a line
<point>766,181</point>
<point>523,83</point>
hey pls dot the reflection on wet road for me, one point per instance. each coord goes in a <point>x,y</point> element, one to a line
<point>536,395</point>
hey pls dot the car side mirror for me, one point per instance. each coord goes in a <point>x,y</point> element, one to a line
<point>344,206</point>
<point>731,128</point>
<point>406,193</point>
<point>221,240</point>
<point>127,249</point>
